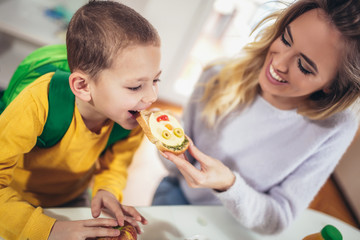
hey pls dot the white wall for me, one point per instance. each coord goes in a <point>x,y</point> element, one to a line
<point>179,24</point>
<point>177,21</point>
<point>347,176</point>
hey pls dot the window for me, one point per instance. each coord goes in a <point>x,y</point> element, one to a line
<point>226,31</point>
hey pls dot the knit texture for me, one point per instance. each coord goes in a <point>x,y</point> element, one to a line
<point>280,159</point>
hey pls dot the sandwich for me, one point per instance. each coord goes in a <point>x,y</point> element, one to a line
<point>163,130</point>
<point>127,232</point>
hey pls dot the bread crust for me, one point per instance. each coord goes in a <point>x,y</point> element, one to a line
<point>143,119</point>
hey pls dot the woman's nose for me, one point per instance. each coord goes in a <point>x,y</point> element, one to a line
<point>281,61</point>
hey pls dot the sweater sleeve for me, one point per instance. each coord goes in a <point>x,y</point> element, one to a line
<point>20,124</point>
<point>112,174</point>
<point>272,211</point>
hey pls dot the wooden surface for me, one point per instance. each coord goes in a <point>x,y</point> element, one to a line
<point>329,200</point>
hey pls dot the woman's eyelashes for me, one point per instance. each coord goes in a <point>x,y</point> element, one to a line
<point>284,40</point>
<point>300,66</point>
<point>137,88</point>
<point>302,69</point>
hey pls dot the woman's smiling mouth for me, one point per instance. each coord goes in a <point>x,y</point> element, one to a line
<point>275,76</point>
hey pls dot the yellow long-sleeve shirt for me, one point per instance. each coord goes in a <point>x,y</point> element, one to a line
<point>31,177</point>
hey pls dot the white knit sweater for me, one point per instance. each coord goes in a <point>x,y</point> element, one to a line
<point>280,159</point>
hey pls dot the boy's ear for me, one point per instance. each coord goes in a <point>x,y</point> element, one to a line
<point>79,84</point>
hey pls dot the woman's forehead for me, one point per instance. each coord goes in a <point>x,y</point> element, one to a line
<point>318,39</point>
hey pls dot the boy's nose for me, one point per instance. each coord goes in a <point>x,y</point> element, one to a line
<point>151,95</point>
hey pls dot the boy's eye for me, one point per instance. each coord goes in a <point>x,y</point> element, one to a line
<point>283,39</point>
<point>135,88</point>
<point>302,69</point>
<point>156,81</point>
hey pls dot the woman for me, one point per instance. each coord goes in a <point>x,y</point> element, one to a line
<point>269,128</point>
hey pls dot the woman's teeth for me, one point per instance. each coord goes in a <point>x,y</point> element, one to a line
<point>275,76</point>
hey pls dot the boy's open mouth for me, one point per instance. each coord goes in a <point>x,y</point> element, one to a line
<point>134,112</point>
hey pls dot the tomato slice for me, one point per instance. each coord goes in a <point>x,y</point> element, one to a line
<point>162,118</point>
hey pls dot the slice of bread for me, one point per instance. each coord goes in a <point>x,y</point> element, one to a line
<point>163,130</point>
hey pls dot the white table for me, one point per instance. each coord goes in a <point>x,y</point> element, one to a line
<point>212,223</point>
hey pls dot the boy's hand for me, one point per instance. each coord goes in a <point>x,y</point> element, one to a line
<point>104,200</point>
<point>84,229</point>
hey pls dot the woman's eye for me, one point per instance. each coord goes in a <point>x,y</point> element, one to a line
<point>135,88</point>
<point>302,69</point>
<point>284,40</point>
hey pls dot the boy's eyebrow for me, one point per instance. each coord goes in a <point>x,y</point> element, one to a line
<point>157,75</point>
<point>310,62</point>
<point>144,79</point>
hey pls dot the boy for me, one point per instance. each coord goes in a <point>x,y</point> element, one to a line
<point>114,58</point>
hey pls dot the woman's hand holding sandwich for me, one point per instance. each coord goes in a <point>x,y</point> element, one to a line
<point>212,173</point>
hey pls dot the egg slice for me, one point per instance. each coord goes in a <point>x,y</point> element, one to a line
<point>166,128</point>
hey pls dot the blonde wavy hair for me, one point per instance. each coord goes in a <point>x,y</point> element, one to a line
<point>237,83</point>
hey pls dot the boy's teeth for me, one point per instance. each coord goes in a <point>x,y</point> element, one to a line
<point>133,112</point>
<point>275,76</point>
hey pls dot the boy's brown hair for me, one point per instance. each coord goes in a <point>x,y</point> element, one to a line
<point>99,30</point>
